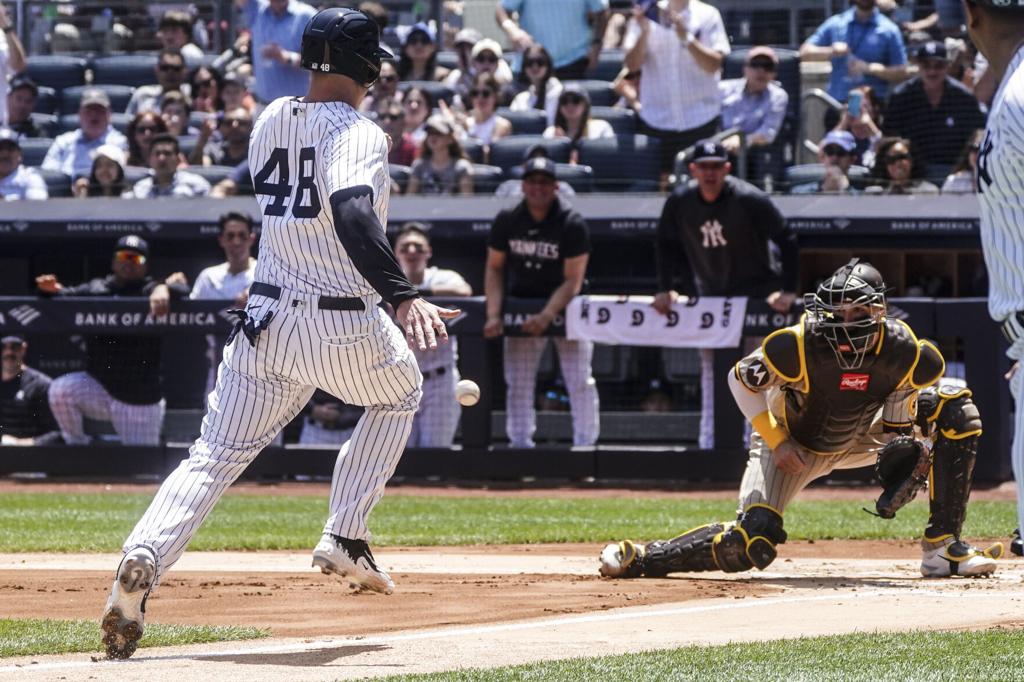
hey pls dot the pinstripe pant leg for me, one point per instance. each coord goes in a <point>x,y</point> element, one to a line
<point>75,396</point>
<point>575,358</point>
<point>1017,447</point>
<point>138,424</point>
<point>522,358</point>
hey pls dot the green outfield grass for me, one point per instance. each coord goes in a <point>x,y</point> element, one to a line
<point>49,522</point>
<point>34,637</point>
<point>919,656</point>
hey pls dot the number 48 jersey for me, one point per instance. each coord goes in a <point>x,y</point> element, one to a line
<point>300,154</point>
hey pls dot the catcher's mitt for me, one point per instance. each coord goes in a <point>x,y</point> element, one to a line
<point>902,469</point>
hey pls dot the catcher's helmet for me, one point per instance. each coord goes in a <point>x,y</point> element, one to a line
<point>848,309</point>
<point>346,42</point>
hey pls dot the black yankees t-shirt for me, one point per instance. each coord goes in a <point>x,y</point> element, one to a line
<point>937,133</point>
<point>536,251</point>
<point>24,408</point>
<point>721,248</point>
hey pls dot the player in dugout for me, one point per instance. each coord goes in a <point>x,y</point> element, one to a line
<point>844,388</point>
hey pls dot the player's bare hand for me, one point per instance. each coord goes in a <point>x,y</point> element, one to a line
<point>536,324</point>
<point>423,322</point>
<point>177,278</point>
<point>840,49</point>
<point>493,328</point>
<point>160,301</point>
<point>664,300</point>
<point>857,67</point>
<point>242,299</point>
<point>1013,371</point>
<point>273,51</point>
<point>781,301</point>
<point>48,284</point>
<point>788,457</point>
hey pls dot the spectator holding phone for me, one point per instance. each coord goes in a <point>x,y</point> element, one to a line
<point>862,119</point>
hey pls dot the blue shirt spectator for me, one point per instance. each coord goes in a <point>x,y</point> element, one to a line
<point>865,48</point>
<point>754,103</point>
<point>277,27</point>
<point>71,153</point>
<point>562,27</point>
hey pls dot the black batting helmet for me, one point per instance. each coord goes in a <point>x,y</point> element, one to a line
<point>346,42</point>
<point>848,309</point>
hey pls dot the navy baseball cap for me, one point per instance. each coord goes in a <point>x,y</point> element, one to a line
<point>23,81</point>
<point>541,165</point>
<point>932,49</point>
<point>709,150</point>
<point>134,243</point>
<point>13,338</point>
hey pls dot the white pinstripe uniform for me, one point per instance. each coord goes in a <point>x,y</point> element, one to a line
<point>1001,187</point>
<point>301,153</point>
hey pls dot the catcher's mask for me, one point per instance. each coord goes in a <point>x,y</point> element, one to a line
<point>848,309</point>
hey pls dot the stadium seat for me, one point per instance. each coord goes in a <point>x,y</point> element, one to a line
<point>119,97</point>
<point>433,88</point>
<point>623,121</point>
<point>133,174</point>
<point>57,184</point>
<point>510,151</point>
<point>400,174</point>
<point>449,59</point>
<point>69,122</point>
<point>474,149</point>
<point>125,69</point>
<point>57,71</point>
<point>33,150</point>
<point>626,164</point>
<point>486,178</point>
<point>212,174</point>
<point>611,363</point>
<point>814,172</point>
<point>580,178</point>
<point>528,122</point>
<point>609,63</point>
<point>601,93</point>
<point>680,364</point>
<point>47,123</point>
<point>46,102</point>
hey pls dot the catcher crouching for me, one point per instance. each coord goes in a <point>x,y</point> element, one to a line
<point>844,388</point>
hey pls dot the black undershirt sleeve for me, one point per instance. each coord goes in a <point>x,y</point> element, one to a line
<point>363,238</point>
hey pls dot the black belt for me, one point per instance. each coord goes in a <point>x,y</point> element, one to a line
<point>324,303</point>
<point>1013,326</point>
<point>434,373</point>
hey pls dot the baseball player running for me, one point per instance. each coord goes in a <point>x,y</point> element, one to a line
<point>997,28</point>
<point>844,388</point>
<point>312,321</point>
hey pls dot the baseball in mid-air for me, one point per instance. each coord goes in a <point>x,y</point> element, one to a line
<point>467,393</point>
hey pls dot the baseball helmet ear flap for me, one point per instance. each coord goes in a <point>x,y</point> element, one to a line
<point>345,42</point>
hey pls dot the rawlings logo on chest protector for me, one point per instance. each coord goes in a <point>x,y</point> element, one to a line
<point>854,382</point>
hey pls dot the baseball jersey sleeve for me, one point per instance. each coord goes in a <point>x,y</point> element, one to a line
<point>576,238</point>
<point>671,263</point>
<point>716,37</point>
<point>824,36</point>
<point>497,238</point>
<point>358,157</point>
<point>765,213</point>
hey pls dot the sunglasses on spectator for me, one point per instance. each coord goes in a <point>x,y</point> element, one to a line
<point>572,99</point>
<point>129,257</point>
<point>893,158</point>
<point>388,79</point>
<point>535,62</point>
<point>486,59</point>
<point>204,84</point>
<point>480,93</point>
<point>233,121</point>
<point>419,39</point>
<point>835,150</point>
<point>171,67</point>
<point>12,346</point>
<point>764,65</point>
<point>391,117</point>
<point>412,247</point>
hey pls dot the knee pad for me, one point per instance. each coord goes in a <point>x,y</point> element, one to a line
<point>958,416</point>
<point>751,541</point>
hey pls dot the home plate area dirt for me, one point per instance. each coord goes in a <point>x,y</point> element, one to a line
<point>462,607</point>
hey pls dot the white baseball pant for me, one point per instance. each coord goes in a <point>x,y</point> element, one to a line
<point>522,358</point>
<point>78,395</point>
<point>1016,352</point>
<point>438,416</point>
<point>360,357</point>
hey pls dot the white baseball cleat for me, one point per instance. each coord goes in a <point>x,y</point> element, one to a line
<point>956,557</point>
<point>123,617</point>
<point>353,561</point>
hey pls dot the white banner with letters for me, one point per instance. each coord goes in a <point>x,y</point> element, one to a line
<point>707,322</point>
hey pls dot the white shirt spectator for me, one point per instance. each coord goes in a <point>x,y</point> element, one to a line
<point>216,282</point>
<point>596,129</point>
<point>677,94</point>
<point>527,99</point>
<point>71,153</point>
<point>185,185</point>
<point>23,183</point>
<point>5,75</point>
<point>760,114</point>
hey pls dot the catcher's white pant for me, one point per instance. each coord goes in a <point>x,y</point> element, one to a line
<point>360,357</point>
<point>522,358</point>
<point>78,394</point>
<point>438,416</point>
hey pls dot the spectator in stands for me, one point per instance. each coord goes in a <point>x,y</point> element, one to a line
<point>25,417</point>
<point>12,59</point>
<point>175,33</point>
<point>17,181</point>
<point>384,90</point>
<point>866,127</point>
<point>835,152</point>
<point>459,79</point>
<point>165,180</point>
<point>713,240</point>
<point>277,27</point>
<point>483,122</point>
<point>21,102</point>
<point>898,169</point>
<point>328,421</point>
<point>932,110</point>
<point>539,249</point>
<point>417,104</point>
<point>141,131</point>
<point>176,112</point>
<point>442,167</point>
<point>574,122</point>
<point>572,31</point>
<point>438,414</point>
<point>418,59</point>
<point>206,84</point>
<point>107,176</point>
<point>864,48</point>
<point>170,76</point>
<point>964,177</point>
<point>121,381</point>
<point>234,93</point>
<point>237,58</point>
<point>542,86</point>
<point>392,120</point>
<point>680,54</point>
<point>754,104</point>
<point>513,187</point>
<point>627,86</point>
<point>71,152</point>
<point>485,57</point>
<point>223,140</point>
